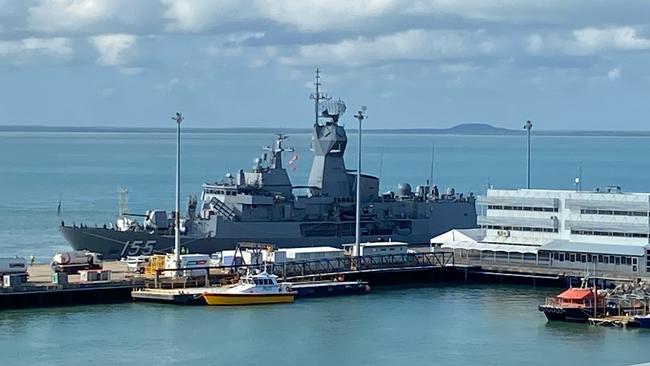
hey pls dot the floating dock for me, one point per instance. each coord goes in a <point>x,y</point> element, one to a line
<point>193,296</point>
<point>612,321</point>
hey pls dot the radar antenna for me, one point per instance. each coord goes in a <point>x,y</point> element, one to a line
<point>317,96</point>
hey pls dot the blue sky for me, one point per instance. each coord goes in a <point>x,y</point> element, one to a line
<point>428,63</point>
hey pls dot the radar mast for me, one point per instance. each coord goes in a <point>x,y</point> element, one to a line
<point>317,96</point>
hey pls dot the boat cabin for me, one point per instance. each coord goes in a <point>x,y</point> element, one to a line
<point>262,279</point>
<point>576,297</point>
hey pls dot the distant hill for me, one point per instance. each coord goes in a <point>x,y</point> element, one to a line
<point>461,129</point>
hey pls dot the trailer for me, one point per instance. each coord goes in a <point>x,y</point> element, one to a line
<point>75,261</point>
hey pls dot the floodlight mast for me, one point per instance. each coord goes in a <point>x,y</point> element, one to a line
<point>357,237</point>
<point>528,126</point>
<point>177,220</point>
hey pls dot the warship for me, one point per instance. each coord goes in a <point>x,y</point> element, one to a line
<point>262,205</point>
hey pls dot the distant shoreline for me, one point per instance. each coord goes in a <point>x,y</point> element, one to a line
<point>462,129</point>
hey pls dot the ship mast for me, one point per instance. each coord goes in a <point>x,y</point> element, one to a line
<point>317,96</point>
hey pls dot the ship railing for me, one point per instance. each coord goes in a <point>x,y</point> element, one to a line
<point>322,267</point>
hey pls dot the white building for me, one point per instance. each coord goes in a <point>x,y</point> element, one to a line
<point>603,230</point>
<point>377,248</point>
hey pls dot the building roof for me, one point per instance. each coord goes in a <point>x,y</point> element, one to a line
<point>575,294</point>
<point>310,250</point>
<point>473,235</point>
<point>558,245</point>
<point>492,247</point>
<point>379,244</point>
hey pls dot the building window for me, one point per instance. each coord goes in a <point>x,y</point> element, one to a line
<point>523,208</point>
<point>613,212</point>
<point>572,257</point>
<point>609,233</point>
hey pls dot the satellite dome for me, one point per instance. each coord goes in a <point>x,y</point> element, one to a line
<point>403,189</point>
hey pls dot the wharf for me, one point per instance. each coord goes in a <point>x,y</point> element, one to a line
<point>377,270</point>
<point>39,291</point>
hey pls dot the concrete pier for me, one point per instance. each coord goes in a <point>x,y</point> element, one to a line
<point>39,291</point>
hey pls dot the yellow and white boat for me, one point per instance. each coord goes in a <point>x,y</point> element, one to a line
<point>261,288</point>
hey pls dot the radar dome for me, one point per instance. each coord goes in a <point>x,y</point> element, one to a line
<point>403,189</point>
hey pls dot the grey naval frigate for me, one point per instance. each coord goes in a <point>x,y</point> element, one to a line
<point>262,206</point>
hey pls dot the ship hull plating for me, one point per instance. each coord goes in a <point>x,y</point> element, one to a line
<point>114,244</point>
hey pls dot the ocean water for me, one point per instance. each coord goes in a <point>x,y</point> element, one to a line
<point>437,325</point>
<point>442,324</point>
<point>85,170</point>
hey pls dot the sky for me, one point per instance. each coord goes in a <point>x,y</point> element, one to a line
<point>249,63</point>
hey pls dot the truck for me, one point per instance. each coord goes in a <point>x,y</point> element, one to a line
<point>73,262</point>
<point>137,264</point>
<point>14,265</point>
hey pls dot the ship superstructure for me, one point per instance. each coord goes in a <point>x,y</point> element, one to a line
<point>262,205</point>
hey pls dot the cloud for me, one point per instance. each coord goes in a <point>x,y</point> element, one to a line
<point>304,15</point>
<point>231,44</point>
<point>168,86</point>
<point>116,50</point>
<point>69,15</point>
<point>37,50</point>
<point>589,41</point>
<point>411,45</point>
<point>593,40</point>
<point>614,74</point>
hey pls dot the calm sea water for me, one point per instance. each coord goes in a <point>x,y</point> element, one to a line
<point>445,324</point>
<point>441,325</point>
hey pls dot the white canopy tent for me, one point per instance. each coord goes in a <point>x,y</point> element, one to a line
<point>468,243</point>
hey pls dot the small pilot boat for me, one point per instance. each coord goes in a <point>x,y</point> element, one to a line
<point>260,288</point>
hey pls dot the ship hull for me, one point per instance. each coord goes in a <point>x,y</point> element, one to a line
<point>567,314</point>
<point>115,244</point>
<point>230,299</point>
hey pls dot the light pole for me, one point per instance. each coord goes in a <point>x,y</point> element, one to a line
<point>357,238</point>
<point>528,126</point>
<point>177,217</point>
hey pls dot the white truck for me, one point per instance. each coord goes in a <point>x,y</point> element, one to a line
<point>137,264</point>
<point>73,262</point>
<point>15,265</point>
